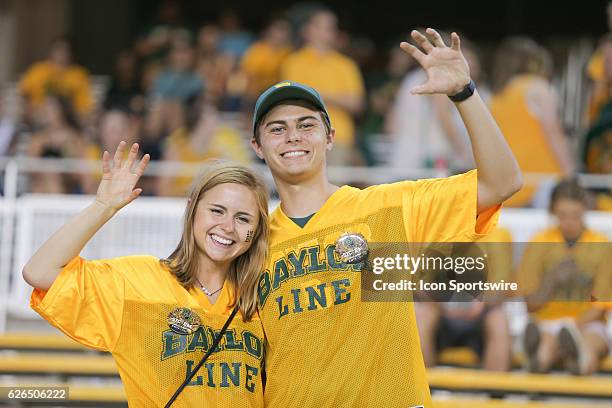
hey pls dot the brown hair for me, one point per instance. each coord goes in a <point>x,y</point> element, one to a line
<point>520,55</point>
<point>245,270</point>
<point>568,190</point>
<point>298,102</point>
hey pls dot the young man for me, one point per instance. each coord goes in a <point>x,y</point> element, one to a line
<point>325,346</point>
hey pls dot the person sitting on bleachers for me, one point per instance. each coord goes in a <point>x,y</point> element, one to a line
<point>481,323</point>
<point>114,126</point>
<point>173,87</point>
<point>61,137</point>
<point>597,144</point>
<point>563,269</point>
<point>599,74</point>
<point>60,75</point>
<point>205,136</point>
<point>525,106</point>
<point>262,61</point>
<point>125,92</point>
<point>336,77</point>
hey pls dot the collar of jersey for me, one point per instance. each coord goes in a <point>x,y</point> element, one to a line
<point>220,306</point>
<point>286,223</point>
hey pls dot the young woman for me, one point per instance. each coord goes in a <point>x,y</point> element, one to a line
<point>159,317</point>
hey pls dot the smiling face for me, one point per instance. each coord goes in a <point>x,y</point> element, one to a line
<point>293,141</point>
<point>225,220</point>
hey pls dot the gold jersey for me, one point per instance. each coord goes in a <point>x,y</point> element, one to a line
<point>546,251</point>
<point>325,345</point>
<point>125,306</point>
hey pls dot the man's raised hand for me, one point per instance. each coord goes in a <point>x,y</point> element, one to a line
<point>446,68</point>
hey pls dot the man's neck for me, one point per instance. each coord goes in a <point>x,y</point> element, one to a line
<point>306,197</point>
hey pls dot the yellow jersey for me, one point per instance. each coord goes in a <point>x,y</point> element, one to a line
<point>595,67</point>
<point>325,345</point>
<point>332,74</point>
<point>72,82</point>
<point>124,306</point>
<point>592,255</point>
<point>262,64</point>
<point>524,133</point>
<point>603,202</point>
<point>225,143</point>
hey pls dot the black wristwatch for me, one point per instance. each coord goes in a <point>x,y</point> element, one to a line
<point>464,93</point>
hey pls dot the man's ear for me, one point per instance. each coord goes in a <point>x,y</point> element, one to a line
<point>257,148</point>
<point>331,136</point>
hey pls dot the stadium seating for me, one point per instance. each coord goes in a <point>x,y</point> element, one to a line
<point>464,379</point>
<point>466,357</point>
<point>46,342</point>
<point>64,365</point>
<point>64,360</point>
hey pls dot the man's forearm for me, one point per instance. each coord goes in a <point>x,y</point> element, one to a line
<point>499,176</point>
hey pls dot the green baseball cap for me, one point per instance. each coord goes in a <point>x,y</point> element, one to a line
<point>283,91</point>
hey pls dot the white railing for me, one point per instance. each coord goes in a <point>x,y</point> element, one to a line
<point>147,226</point>
<point>152,225</point>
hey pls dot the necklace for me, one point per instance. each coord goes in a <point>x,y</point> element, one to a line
<point>207,291</point>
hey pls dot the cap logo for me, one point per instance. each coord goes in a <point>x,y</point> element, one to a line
<point>281,84</point>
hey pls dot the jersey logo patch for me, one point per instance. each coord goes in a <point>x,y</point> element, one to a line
<point>183,320</point>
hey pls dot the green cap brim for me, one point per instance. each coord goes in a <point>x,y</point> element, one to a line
<point>283,91</point>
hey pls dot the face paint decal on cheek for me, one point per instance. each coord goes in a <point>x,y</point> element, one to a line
<point>249,236</point>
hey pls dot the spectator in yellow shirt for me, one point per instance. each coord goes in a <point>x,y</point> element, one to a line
<point>596,72</point>
<point>563,269</point>
<point>262,62</point>
<point>205,136</point>
<point>60,137</point>
<point>335,76</point>
<point>524,105</point>
<point>58,75</point>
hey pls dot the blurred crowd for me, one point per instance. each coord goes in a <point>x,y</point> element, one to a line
<point>564,281</point>
<point>187,95</point>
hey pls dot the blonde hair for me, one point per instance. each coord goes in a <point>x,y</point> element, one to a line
<point>245,270</point>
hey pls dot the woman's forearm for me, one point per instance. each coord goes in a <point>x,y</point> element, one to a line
<point>44,266</point>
